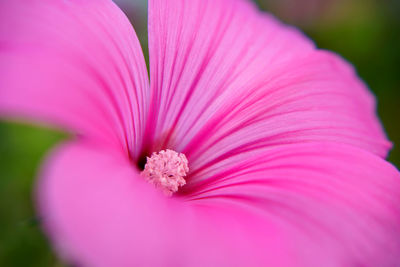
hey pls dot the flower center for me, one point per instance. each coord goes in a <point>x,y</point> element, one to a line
<point>166,170</point>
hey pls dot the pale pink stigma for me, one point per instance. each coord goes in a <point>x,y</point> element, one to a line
<point>166,170</point>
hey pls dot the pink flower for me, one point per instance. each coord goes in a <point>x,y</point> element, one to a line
<point>284,150</point>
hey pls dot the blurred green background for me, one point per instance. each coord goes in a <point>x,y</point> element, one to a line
<point>365,32</point>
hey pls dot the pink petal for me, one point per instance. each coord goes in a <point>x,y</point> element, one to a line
<point>77,64</point>
<point>100,212</point>
<point>339,204</point>
<point>226,79</point>
<point>302,205</point>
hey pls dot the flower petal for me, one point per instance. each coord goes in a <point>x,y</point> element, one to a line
<point>77,64</point>
<point>338,203</point>
<point>100,212</point>
<point>226,78</point>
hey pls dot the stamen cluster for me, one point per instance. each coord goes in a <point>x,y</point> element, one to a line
<point>166,170</point>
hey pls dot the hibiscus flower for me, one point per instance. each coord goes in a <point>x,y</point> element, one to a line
<point>277,142</point>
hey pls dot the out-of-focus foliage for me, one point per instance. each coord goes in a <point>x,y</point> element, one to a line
<point>365,32</point>
<point>22,148</point>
